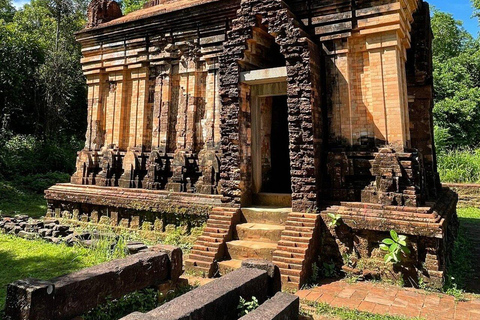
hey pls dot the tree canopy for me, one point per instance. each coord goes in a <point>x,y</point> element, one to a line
<point>42,89</point>
<point>456,61</point>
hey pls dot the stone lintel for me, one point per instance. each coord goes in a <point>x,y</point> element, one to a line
<point>262,76</point>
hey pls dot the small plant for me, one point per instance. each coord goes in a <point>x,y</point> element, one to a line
<point>453,290</point>
<point>328,270</point>
<point>395,247</point>
<point>335,219</point>
<point>245,306</point>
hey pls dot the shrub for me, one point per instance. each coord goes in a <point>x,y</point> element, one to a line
<point>23,155</point>
<point>459,166</point>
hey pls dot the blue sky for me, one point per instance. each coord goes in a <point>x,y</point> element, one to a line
<point>461,10</point>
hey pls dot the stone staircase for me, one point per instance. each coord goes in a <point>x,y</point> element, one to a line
<point>210,246</point>
<point>297,247</point>
<point>274,233</point>
<point>256,237</point>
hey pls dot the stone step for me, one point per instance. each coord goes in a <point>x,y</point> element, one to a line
<point>211,223</point>
<point>287,254</point>
<point>202,248</point>
<point>207,253</point>
<point>219,218</point>
<point>260,232</point>
<point>227,266</point>
<point>266,215</point>
<point>286,245</point>
<point>273,199</point>
<point>215,235</point>
<point>296,239</point>
<point>224,209</point>
<point>286,279</point>
<point>298,234</point>
<point>215,230</point>
<point>287,260</point>
<point>200,257</point>
<point>311,216</point>
<point>244,249</point>
<point>299,228</point>
<point>288,266</point>
<point>199,264</point>
<point>290,272</point>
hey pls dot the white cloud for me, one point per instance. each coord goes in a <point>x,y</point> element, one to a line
<point>19,3</point>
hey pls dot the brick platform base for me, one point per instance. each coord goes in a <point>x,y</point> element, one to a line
<point>392,300</point>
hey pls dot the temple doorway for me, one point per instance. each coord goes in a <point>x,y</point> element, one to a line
<point>270,139</point>
<point>275,153</point>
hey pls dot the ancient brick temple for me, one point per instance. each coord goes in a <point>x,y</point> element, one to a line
<point>265,116</point>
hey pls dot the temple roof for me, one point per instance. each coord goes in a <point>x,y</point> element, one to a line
<point>156,7</point>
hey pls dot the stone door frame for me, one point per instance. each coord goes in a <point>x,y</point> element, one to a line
<point>303,99</point>
<point>263,83</point>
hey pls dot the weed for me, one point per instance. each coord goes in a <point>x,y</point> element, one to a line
<point>396,247</point>
<point>141,301</point>
<point>346,314</point>
<point>328,270</point>
<point>335,220</point>
<point>459,165</point>
<point>454,291</point>
<point>245,306</point>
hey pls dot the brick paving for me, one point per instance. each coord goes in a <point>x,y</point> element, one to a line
<point>386,299</point>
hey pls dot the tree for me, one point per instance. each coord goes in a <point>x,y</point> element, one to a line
<point>449,36</point>
<point>132,5</point>
<point>42,89</point>
<point>7,11</point>
<point>476,6</point>
<point>456,62</point>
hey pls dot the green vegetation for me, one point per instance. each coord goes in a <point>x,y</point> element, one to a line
<point>456,62</point>
<point>326,310</point>
<point>28,166</point>
<point>20,258</point>
<point>396,247</point>
<point>462,166</point>
<point>141,301</point>
<point>335,219</point>
<point>244,307</point>
<point>132,5</point>
<point>462,261</point>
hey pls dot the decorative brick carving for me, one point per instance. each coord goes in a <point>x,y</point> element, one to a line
<point>101,11</point>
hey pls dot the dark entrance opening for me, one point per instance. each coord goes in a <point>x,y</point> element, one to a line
<point>278,177</point>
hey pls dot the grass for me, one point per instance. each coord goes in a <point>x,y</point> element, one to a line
<point>20,258</point>
<point>463,261</point>
<point>459,166</point>
<point>470,215</point>
<point>15,200</point>
<point>326,310</point>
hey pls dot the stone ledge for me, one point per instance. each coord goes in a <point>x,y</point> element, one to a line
<point>74,294</point>
<point>282,306</point>
<point>134,199</point>
<point>420,221</point>
<point>215,300</point>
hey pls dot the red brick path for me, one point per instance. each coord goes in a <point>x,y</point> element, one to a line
<point>385,299</point>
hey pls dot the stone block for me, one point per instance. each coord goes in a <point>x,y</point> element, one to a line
<point>215,300</point>
<point>175,256</point>
<point>273,272</point>
<point>282,306</point>
<point>72,295</point>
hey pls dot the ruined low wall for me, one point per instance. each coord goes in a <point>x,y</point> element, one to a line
<point>354,244</point>
<point>219,299</point>
<point>74,294</point>
<point>468,194</point>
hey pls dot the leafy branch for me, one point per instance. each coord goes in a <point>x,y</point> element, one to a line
<point>396,247</point>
